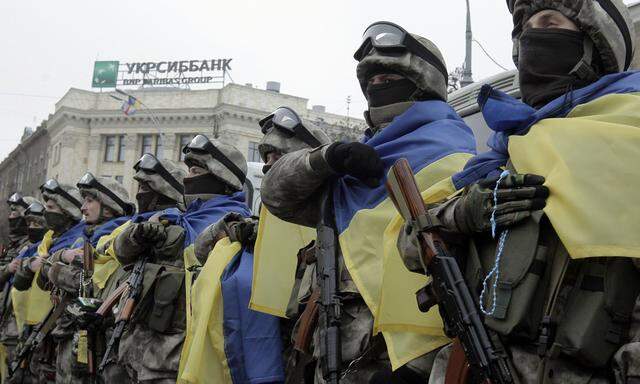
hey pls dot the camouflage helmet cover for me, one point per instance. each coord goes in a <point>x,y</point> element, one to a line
<point>607,22</point>
<point>427,78</point>
<point>276,140</point>
<point>117,189</point>
<point>158,184</point>
<point>67,207</point>
<point>216,167</point>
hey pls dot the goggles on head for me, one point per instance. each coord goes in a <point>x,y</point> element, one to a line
<point>151,165</point>
<point>385,36</point>
<point>88,181</point>
<point>35,208</point>
<point>201,144</point>
<point>16,199</point>
<point>52,186</point>
<point>287,121</point>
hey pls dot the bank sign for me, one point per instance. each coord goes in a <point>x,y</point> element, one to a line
<point>111,74</point>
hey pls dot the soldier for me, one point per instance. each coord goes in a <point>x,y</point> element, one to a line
<point>552,305</point>
<point>105,207</point>
<point>18,242</point>
<point>404,79</point>
<point>160,188</point>
<point>61,215</point>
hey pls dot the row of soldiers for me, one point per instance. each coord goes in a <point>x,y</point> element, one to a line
<point>541,229</point>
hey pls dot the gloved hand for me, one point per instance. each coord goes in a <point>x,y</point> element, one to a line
<point>518,196</point>
<point>244,231</point>
<point>356,159</point>
<point>212,234</point>
<point>149,232</point>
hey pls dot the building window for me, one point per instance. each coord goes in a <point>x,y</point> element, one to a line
<point>119,179</point>
<point>152,144</point>
<point>254,154</point>
<point>184,140</point>
<point>121,148</point>
<point>110,149</point>
<point>147,144</point>
<point>159,147</point>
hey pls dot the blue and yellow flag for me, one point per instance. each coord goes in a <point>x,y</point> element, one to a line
<point>226,342</point>
<point>436,142</point>
<point>586,146</point>
<point>275,254</point>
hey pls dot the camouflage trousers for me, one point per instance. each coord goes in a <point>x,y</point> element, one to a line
<point>149,356</point>
<point>530,368</point>
<point>361,359</point>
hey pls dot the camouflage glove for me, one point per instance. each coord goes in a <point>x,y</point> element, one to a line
<point>355,159</point>
<point>212,234</point>
<point>149,232</point>
<point>244,231</point>
<point>518,196</point>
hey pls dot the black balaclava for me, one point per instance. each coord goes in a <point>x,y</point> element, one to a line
<point>204,185</point>
<point>153,201</point>
<point>391,92</point>
<point>17,226</point>
<point>545,61</point>
<point>36,234</point>
<point>58,222</point>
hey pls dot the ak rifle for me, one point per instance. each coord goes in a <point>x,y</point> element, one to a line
<point>37,336</point>
<point>86,292</point>
<point>486,361</point>
<point>132,288</point>
<point>327,272</point>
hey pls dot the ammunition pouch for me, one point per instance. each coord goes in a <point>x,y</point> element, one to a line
<point>168,310</point>
<point>598,311</point>
<point>521,287</point>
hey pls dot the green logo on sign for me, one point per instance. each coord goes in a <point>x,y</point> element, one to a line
<point>105,74</point>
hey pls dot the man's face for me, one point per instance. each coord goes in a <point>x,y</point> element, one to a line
<point>272,157</point>
<point>91,209</point>
<point>143,187</point>
<point>383,78</point>
<point>196,170</point>
<point>550,19</point>
<point>34,224</point>
<point>52,206</point>
<point>15,211</point>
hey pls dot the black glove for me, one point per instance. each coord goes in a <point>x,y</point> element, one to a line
<point>149,232</point>
<point>356,159</point>
<point>518,196</point>
<point>245,231</point>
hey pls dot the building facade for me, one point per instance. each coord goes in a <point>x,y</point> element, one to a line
<point>89,132</point>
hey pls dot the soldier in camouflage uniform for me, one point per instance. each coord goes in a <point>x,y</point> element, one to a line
<point>392,82</point>
<point>18,242</point>
<point>62,211</point>
<point>277,141</point>
<point>104,200</point>
<point>557,317</point>
<point>149,349</point>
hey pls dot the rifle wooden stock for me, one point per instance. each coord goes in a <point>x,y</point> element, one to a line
<point>308,322</point>
<point>127,309</point>
<point>473,348</point>
<point>112,300</point>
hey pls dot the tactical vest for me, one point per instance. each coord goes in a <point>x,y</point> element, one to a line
<point>576,308</point>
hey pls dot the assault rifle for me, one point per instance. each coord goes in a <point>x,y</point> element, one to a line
<point>327,272</point>
<point>484,361</point>
<point>86,292</point>
<point>133,288</point>
<point>37,336</point>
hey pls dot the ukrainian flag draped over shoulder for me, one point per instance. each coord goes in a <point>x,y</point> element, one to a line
<point>275,254</point>
<point>586,145</point>
<point>437,143</point>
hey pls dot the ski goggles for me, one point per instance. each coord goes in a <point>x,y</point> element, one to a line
<point>88,181</point>
<point>16,199</point>
<point>287,121</point>
<point>385,36</point>
<point>151,165</point>
<point>52,186</point>
<point>201,144</point>
<point>35,209</point>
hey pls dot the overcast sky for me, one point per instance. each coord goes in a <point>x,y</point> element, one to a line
<point>49,46</point>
